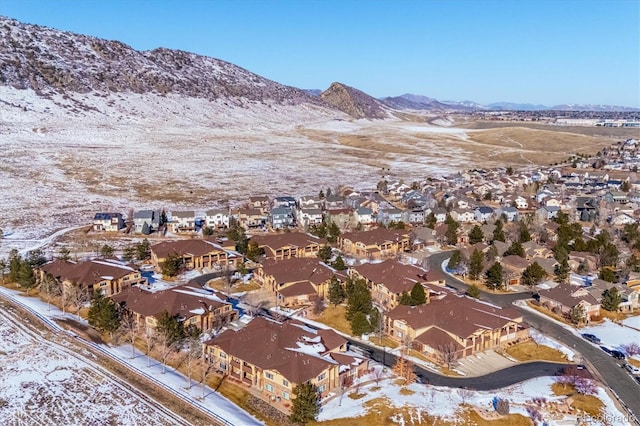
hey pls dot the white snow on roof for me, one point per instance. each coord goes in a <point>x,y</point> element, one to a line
<point>113,264</point>
<point>198,311</point>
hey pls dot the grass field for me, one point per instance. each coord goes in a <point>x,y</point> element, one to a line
<point>334,316</point>
<point>530,351</point>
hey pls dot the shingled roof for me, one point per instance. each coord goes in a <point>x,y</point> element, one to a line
<point>87,273</point>
<point>296,351</point>
<point>298,269</point>
<point>458,315</point>
<point>375,236</point>
<point>396,276</point>
<point>193,247</point>
<point>285,239</point>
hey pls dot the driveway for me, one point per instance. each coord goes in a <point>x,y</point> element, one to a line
<point>483,363</point>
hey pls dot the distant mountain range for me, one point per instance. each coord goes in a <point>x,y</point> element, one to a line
<point>54,63</point>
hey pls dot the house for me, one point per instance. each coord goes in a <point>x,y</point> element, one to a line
<point>629,295</point>
<point>621,219</point>
<point>332,202</point>
<point>586,209</point>
<point>217,219</point>
<point>440,214</point>
<point>296,281</point>
<point>107,276</point>
<point>251,218</point>
<point>416,216</point>
<point>344,218</point>
<point>511,213</point>
<point>195,253</point>
<point>455,327</point>
<point>564,297</point>
<point>309,217</point>
<point>388,280</point>
<point>363,216</point>
<point>190,303</point>
<point>146,221</point>
<point>109,222</point>
<point>547,212</point>
<point>286,201</point>
<point>182,221</point>
<point>310,201</point>
<point>386,216</point>
<point>374,244</point>
<point>513,267</point>
<point>616,197</point>
<point>282,217</point>
<point>271,358</point>
<point>288,245</point>
<point>483,213</point>
<point>521,203</point>
<point>463,215</point>
<point>259,202</point>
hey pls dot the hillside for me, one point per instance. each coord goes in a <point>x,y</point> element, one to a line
<point>354,102</point>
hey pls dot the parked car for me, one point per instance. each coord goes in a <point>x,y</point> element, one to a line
<point>591,337</point>
<point>618,354</point>
<point>632,369</point>
<point>606,349</point>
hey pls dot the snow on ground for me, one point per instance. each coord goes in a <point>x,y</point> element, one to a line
<point>175,381</point>
<point>445,402</point>
<point>633,322</point>
<point>541,339</point>
<point>613,335</point>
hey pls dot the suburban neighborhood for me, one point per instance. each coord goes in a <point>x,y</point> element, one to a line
<point>283,295</point>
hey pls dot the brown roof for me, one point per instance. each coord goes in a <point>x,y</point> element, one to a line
<point>87,273</point>
<point>396,276</point>
<point>515,262</point>
<point>302,288</point>
<point>193,247</point>
<point>297,269</point>
<point>375,236</point>
<point>566,295</point>
<point>184,301</point>
<point>287,239</point>
<point>458,315</point>
<point>283,347</point>
<point>436,338</point>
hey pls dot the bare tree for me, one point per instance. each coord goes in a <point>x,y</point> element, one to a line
<point>78,295</point>
<point>377,374</point>
<point>207,367</point>
<point>194,351</point>
<point>47,284</point>
<point>346,381</point>
<point>165,344</point>
<point>432,393</point>
<point>129,328</point>
<point>464,394</point>
<point>318,305</point>
<point>150,337</point>
<point>448,354</point>
<point>227,273</point>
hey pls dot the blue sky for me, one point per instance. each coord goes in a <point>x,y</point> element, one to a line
<point>546,52</point>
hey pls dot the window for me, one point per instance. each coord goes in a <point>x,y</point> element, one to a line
<point>322,377</point>
<point>322,388</point>
<point>268,387</point>
<point>285,395</point>
<point>285,383</point>
<point>223,366</point>
<point>223,355</point>
<point>268,376</point>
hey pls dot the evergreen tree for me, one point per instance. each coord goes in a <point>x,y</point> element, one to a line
<point>611,299</point>
<point>359,300</point>
<point>64,253</point>
<point>405,299</point>
<point>476,235</point>
<point>171,265</point>
<point>26,278</point>
<point>254,251</point>
<point>15,262</point>
<point>106,251</point>
<point>492,253</point>
<point>455,260</point>
<point>360,324</point>
<point>561,270</point>
<point>336,292</point>
<point>494,276</point>
<point>515,249</point>
<point>418,296</point>
<point>103,313</point>
<point>473,291</point>
<point>325,253</point>
<point>609,254</point>
<point>476,264</point>
<point>498,232</point>
<point>36,258</point>
<point>338,264</point>
<point>532,275</point>
<point>170,327</point>
<point>607,274</point>
<point>431,220</point>
<point>577,314</point>
<point>143,250</point>
<point>305,407</point>
<point>523,233</point>
<point>333,232</point>
<point>129,253</point>
<point>451,233</point>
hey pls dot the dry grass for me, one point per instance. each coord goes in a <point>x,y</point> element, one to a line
<point>548,312</point>
<point>419,355</point>
<point>613,316</point>
<point>334,316</point>
<point>405,391</point>
<point>471,417</point>
<point>356,395</point>
<point>385,341</point>
<point>634,362</point>
<point>587,403</point>
<point>220,285</point>
<point>447,372</point>
<point>530,351</point>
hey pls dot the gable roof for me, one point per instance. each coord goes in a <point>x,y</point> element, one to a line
<point>297,269</point>
<point>568,295</point>
<point>87,273</point>
<point>295,351</point>
<point>287,239</point>
<point>396,276</point>
<point>193,247</point>
<point>375,236</point>
<point>458,315</point>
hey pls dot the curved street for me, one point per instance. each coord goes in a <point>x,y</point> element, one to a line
<point>601,365</point>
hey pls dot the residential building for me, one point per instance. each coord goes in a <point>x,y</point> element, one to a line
<point>282,217</point>
<point>195,253</point>
<point>287,245</point>
<point>109,222</point>
<point>565,297</point>
<point>146,221</point>
<point>182,221</point>
<point>377,243</point>
<point>107,276</point>
<point>217,219</point>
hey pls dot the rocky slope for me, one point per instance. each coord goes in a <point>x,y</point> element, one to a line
<point>354,102</point>
<point>48,60</point>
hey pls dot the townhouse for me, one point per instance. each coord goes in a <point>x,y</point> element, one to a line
<point>195,253</point>
<point>109,222</point>
<point>287,245</point>
<point>104,275</point>
<point>290,353</point>
<point>377,243</point>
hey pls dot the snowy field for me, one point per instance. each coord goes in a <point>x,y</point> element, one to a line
<point>444,403</point>
<point>541,339</point>
<point>172,380</point>
<point>614,335</point>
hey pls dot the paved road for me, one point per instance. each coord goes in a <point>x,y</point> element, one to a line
<point>499,379</point>
<point>602,365</point>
